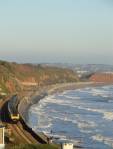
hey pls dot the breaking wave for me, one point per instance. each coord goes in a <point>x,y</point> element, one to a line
<point>82,116</point>
<point>103,139</point>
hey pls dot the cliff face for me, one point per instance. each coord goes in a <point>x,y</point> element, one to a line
<point>15,77</point>
<point>102,77</point>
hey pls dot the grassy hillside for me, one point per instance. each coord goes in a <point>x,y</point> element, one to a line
<point>13,76</point>
<point>30,146</point>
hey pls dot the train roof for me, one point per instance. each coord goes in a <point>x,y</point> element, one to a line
<point>13,104</point>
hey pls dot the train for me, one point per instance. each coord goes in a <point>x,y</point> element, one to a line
<point>13,108</point>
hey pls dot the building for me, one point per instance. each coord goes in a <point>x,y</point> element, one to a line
<point>67,146</point>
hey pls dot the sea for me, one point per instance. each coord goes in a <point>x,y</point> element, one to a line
<point>83,117</point>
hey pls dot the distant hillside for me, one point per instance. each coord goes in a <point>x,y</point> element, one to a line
<point>14,77</point>
<point>84,71</point>
<point>91,68</point>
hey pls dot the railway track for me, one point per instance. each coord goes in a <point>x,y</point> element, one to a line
<point>21,135</point>
<point>26,134</point>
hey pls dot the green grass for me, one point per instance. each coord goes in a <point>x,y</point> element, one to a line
<point>4,89</point>
<point>32,146</point>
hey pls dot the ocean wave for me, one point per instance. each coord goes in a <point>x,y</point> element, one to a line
<point>102,92</point>
<point>77,141</point>
<point>71,97</point>
<point>66,119</point>
<point>90,109</point>
<point>97,92</point>
<point>104,139</point>
<point>108,115</point>
<point>44,125</point>
<point>57,101</point>
<point>77,113</point>
<point>86,124</point>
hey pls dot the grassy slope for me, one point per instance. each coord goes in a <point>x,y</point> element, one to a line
<point>12,73</point>
<point>28,146</point>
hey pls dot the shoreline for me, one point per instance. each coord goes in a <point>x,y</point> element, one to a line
<point>73,86</point>
<point>49,90</point>
<point>41,93</point>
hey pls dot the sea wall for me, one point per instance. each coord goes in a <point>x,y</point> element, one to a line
<point>27,101</point>
<point>23,107</point>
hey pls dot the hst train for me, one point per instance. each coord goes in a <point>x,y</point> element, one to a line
<point>13,108</point>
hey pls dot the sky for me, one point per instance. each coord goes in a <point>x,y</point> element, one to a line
<point>57,31</point>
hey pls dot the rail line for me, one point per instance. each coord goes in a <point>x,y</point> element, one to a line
<point>22,134</point>
<point>18,131</point>
<point>26,134</point>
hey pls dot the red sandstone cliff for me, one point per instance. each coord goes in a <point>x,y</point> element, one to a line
<point>102,77</point>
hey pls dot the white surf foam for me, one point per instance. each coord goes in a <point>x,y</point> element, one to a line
<point>81,121</point>
<point>104,139</point>
<point>71,97</point>
<point>86,124</point>
<point>108,115</point>
<point>57,101</point>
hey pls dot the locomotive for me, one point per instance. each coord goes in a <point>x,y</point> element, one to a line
<point>13,108</point>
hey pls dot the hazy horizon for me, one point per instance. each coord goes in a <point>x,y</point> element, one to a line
<point>55,63</point>
<point>62,31</point>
